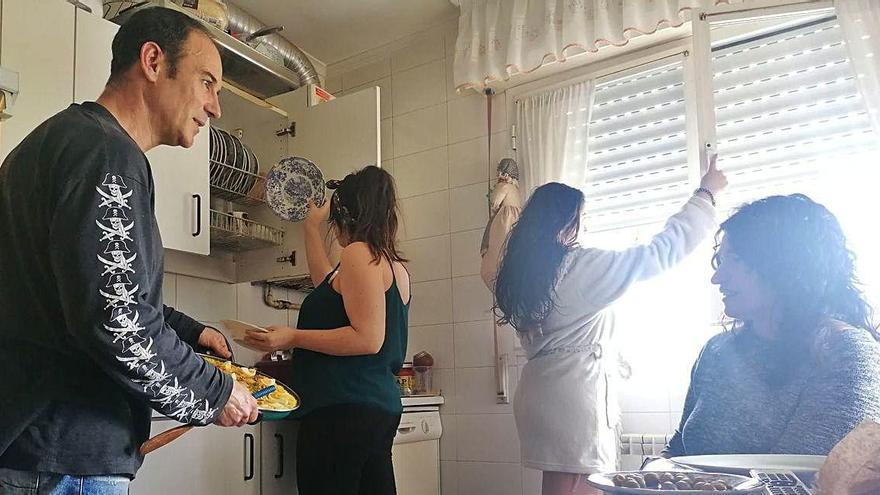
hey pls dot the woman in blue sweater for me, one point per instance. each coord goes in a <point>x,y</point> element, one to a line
<point>800,366</point>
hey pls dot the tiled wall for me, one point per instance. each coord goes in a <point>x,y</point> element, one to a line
<point>210,301</point>
<point>434,142</point>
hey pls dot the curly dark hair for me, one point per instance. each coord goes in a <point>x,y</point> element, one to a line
<point>524,289</point>
<point>364,209</point>
<point>797,247</point>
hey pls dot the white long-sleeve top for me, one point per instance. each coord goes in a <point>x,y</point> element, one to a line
<point>565,403</point>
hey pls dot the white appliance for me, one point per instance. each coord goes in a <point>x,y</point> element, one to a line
<point>416,450</point>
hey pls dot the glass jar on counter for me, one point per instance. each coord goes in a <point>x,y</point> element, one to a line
<point>406,379</point>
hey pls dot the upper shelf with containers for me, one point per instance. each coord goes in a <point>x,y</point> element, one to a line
<point>253,66</point>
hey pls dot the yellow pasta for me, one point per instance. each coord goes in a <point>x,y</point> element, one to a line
<point>279,400</point>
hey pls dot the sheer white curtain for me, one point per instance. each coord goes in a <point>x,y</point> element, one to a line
<point>497,38</point>
<point>553,129</point>
<point>860,23</point>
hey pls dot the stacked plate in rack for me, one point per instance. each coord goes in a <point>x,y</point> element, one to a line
<point>234,166</point>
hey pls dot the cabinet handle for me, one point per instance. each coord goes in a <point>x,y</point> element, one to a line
<point>404,429</point>
<point>280,456</point>
<point>249,439</point>
<point>198,198</point>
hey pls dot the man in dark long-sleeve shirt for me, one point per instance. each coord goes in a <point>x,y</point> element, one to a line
<point>86,346</point>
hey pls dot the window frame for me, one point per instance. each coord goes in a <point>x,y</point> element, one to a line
<point>696,48</point>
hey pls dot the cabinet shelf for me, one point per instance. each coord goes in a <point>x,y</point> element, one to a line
<point>243,66</point>
<point>231,233</point>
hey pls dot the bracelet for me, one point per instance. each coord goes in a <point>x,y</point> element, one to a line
<point>708,193</point>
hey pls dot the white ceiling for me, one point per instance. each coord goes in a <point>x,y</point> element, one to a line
<point>333,30</point>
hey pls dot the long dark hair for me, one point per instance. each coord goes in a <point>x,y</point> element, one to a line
<point>797,247</point>
<point>524,289</point>
<point>364,208</point>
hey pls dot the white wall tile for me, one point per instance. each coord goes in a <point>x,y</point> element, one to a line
<point>367,73</point>
<point>487,437</point>
<point>431,303</point>
<point>467,118</point>
<point>449,437</point>
<point>420,130</point>
<point>448,478</point>
<point>205,300</point>
<point>655,423</point>
<point>532,479</point>
<point>169,290</point>
<point>386,130</point>
<point>429,257</point>
<point>385,95</point>
<point>486,478</point>
<point>388,165</point>
<point>466,252</point>
<point>474,344</point>
<point>252,309</point>
<point>469,207</point>
<point>467,162</point>
<point>436,340</point>
<point>450,34</point>
<point>419,87</point>
<point>423,49</point>
<point>471,300</point>
<point>425,216</point>
<point>444,381</point>
<point>420,173</point>
<point>475,391</point>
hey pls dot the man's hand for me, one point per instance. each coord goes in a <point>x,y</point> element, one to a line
<point>212,339</point>
<point>240,409</point>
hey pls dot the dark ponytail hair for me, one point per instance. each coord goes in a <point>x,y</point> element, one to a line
<point>364,208</point>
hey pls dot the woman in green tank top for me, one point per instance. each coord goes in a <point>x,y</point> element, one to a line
<point>349,341</point>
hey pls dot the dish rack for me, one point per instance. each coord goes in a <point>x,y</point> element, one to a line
<point>256,194</point>
<point>231,233</point>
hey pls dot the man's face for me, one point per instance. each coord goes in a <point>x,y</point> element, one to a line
<point>186,102</point>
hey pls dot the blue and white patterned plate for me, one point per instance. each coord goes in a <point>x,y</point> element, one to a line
<point>290,185</point>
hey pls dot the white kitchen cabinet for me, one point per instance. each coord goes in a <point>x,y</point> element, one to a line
<point>278,457</point>
<point>43,59</point>
<point>93,53</point>
<point>340,136</point>
<point>180,174</point>
<point>416,470</point>
<point>182,194</point>
<point>208,460</point>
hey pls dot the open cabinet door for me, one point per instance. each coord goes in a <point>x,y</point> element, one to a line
<point>340,136</point>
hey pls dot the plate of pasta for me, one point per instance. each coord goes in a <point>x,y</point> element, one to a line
<point>276,405</point>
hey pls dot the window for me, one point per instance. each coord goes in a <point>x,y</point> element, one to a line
<point>637,165</point>
<point>787,108</point>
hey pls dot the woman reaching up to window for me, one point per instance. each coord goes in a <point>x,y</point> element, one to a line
<point>555,294</point>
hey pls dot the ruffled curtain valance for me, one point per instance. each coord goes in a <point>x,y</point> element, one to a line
<point>498,38</point>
